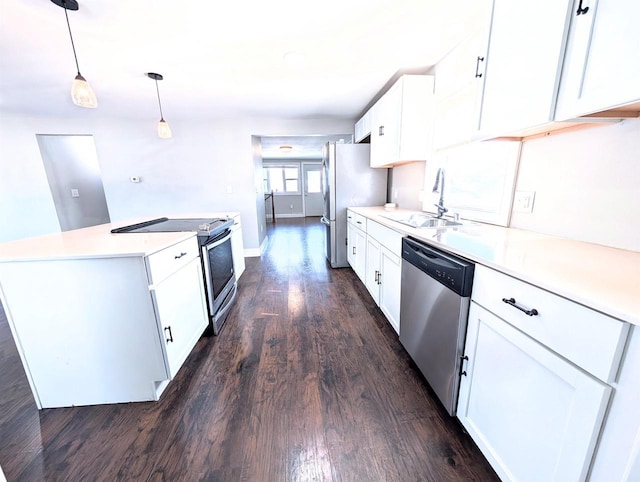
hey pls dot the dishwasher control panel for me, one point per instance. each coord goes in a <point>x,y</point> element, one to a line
<point>450,270</point>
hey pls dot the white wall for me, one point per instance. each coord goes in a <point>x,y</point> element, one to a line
<point>190,172</point>
<point>587,185</point>
<point>406,183</point>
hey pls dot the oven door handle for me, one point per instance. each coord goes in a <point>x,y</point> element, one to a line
<point>218,241</point>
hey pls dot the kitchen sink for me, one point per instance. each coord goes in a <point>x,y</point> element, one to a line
<point>416,220</point>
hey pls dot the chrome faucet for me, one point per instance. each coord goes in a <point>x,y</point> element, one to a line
<point>440,181</point>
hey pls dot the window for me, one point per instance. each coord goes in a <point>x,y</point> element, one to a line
<point>282,179</point>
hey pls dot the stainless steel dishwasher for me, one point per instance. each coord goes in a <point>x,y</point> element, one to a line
<point>434,305</point>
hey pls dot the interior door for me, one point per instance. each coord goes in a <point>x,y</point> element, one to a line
<point>312,189</point>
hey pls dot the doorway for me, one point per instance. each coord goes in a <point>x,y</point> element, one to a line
<point>312,189</point>
<point>75,181</point>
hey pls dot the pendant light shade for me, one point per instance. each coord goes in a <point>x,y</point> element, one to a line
<point>164,131</point>
<point>81,93</point>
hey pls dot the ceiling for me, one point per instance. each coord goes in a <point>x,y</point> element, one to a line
<point>220,59</point>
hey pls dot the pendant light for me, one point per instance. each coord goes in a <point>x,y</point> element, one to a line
<point>163,128</point>
<point>81,92</point>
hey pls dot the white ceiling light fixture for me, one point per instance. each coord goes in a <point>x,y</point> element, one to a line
<point>286,148</point>
<point>164,131</point>
<point>81,92</point>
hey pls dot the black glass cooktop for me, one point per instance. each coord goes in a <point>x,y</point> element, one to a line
<point>204,226</point>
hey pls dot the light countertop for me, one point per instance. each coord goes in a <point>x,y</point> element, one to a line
<point>599,277</point>
<point>98,241</point>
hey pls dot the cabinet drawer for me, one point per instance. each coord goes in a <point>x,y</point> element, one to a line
<point>387,237</point>
<point>169,260</point>
<point>589,339</point>
<point>358,220</point>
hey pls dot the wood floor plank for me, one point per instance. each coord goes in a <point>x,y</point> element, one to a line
<point>306,382</point>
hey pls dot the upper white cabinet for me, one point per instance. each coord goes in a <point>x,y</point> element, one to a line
<point>521,68</point>
<point>401,122</point>
<point>458,84</point>
<point>601,68</point>
<point>363,127</point>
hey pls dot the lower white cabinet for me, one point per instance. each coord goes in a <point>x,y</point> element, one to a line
<point>237,248</point>
<point>383,270</point>
<point>179,309</point>
<point>105,329</point>
<point>534,415</point>
<point>538,373</point>
<point>356,243</point>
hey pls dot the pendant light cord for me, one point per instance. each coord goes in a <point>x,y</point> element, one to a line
<point>159,103</point>
<point>73,46</point>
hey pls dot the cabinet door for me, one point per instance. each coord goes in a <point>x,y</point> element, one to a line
<point>385,131</point>
<point>237,250</point>
<point>459,82</point>
<point>363,126</point>
<point>372,268</point>
<point>526,48</point>
<point>351,245</point>
<point>361,253</point>
<point>389,278</point>
<point>534,415</point>
<point>602,65</point>
<point>182,313</point>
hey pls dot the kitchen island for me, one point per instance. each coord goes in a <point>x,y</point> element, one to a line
<point>100,317</point>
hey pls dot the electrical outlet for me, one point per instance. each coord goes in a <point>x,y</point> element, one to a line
<point>523,201</point>
<point>75,193</point>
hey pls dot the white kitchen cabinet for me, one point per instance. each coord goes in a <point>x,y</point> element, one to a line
<point>383,270</point>
<point>95,332</point>
<point>459,81</point>
<point>356,243</point>
<point>179,308</point>
<point>237,248</point>
<point>534,415</point>
<point>362,128</point>
<point>537,378</point>
<point>522,64</point>
<point>402,122</point>
<point>601,69</point>
<point>372,270</point>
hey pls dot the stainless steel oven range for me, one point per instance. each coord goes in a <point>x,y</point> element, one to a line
<point>214,240</point>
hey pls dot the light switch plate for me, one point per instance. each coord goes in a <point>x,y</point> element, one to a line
<point>75,193</point>
<point>523,201</point>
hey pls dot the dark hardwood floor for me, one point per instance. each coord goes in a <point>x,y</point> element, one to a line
<point>306,382</point>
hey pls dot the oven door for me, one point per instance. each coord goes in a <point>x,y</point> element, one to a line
<point>219,274</point>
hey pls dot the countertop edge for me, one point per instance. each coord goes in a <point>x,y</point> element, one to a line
<point>622,306</point>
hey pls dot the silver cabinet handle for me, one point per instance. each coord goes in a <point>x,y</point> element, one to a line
<point>180,256</point>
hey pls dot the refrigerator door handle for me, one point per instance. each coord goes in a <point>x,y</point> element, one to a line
<point>324,221</point>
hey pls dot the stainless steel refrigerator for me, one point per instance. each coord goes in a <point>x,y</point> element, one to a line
<point>348,181</point>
